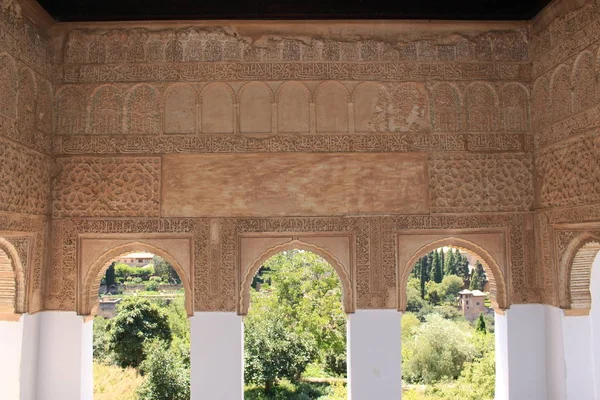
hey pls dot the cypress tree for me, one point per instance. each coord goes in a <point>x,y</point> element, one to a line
<point>437,268</point>
<point>480,327</point>
<point>450,264</point>
<point>110,276</point>
<point>424,275</point>
<point>478,279</point>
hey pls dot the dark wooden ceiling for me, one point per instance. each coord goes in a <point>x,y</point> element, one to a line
<point>127,10</point>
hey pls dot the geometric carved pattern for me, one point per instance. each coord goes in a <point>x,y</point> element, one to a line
<point>568,172</point>
<point>478,183</point>
<point>24,179</point>
<point>107,187</point>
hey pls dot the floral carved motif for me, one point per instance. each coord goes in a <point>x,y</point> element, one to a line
<point>107,187</point>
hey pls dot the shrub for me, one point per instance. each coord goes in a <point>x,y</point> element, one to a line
<point>137,320</point>
<point>152,286</point>
<point>438,350</point>
<point>166,375</point>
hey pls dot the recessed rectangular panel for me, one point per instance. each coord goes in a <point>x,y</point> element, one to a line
<point>293,184</point>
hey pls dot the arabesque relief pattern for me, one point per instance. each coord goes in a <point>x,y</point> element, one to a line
<point>215,257</point>
<point>506,119</point>
<point>566,115</point>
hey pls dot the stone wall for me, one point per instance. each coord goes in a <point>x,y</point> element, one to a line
<point>565,50</point>
<point>26,112</point>
<point>148,119</point>
<point>365,129</point>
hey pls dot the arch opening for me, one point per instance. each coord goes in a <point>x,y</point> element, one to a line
<point>448,324</point>
<point>295,325</point>
<point>576,266</point>
<point>342,273</point>
<point>140,324</point>
<point>91,284</point>
<point>12,282</point>
<point>495,276</point>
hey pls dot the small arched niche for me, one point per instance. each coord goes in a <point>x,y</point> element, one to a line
<point>88,299</point>
<point>263,249</point>
<point>421,245</point>
<point>12,283</point>
<point>576,273</point>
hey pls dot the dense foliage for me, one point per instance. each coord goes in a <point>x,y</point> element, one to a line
<point>167,376</point>
<point>137,321</point>
<point>296,319</point>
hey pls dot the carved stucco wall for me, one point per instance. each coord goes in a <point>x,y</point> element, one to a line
<point>26,101</point>
<point>451,105</point>
<point>565,50</point>
<point>475,114</point>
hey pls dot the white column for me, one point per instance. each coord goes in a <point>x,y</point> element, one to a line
<point>18,357</point>
<point>374,355</point>
<point>555,356</point>
<point>217,356</point>
<point>11,344</point>
<point>521,355</point>
<point>65,357</point>
<point>577,339</point>
<point>595,321</point>
<point>500,328</point>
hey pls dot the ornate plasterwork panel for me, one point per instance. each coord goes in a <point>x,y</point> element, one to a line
<point>334,143</point>
<point>568,173</point>
<point>114,186</point>
<point>285,106</point>
<point>575,246</point>
<point>27,236</point>
<point>336,248</point>
<point>490,246</point>
<point>63,275</point>
<point>480,182</point>
<point>217,251</point>
<point>25,179</point>
<point>95,253</point>
<point>226,44</point>
<point>547,245</point>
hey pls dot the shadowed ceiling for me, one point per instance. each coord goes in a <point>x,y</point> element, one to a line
<point>117,10</point>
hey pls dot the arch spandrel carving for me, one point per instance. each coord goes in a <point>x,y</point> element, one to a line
<point>413,246</point>
<point>576,251</point>
<point>91,273</point>
<point>13,270</point>
<point>344,271</point>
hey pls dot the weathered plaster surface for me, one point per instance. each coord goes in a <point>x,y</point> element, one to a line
<point>374,130</point>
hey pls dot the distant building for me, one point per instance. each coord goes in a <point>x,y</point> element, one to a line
<point>136,259</point>
<point>472,303</point>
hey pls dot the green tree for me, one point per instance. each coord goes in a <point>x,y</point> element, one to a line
<point>450,287</point>
<point>478,278</point>
<point>480,326</point>
<point>272,350</point>
<point>437,267</point>
<point>424,276</point>
<point>450,263</point>
<point>438,350</point>
<point>309,294</point>
<point>166,272</point>
<point>137,321</point>
<point>167,378</point>
<point>110,276</point>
